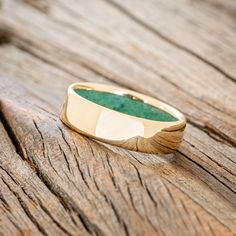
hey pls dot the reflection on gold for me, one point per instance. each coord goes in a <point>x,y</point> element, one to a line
<point>117,127</point>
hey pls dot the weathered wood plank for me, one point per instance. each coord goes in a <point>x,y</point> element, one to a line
<point>105,190</point>
<point>200,117</point>
<point>138,44</point>
<point>111,193</point>
<point>206,110</point>
<point>27,206</point>
<point>204,29</point>
<point>196,140</point>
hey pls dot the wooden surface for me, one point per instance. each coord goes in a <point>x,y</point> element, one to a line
<point>54,181</point>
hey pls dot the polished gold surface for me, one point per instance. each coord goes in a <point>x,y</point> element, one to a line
<point>120,129</point>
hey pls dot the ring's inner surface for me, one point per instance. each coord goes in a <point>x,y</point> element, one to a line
<point>126,104</point>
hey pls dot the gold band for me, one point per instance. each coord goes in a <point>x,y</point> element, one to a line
<point>124,130</point>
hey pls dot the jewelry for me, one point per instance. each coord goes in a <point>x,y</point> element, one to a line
<point>123,118</point>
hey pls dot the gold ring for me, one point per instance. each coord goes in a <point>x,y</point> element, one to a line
<point>123,118</point>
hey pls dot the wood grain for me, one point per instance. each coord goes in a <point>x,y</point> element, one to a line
<point>206,110</point>
<point>54,181</point>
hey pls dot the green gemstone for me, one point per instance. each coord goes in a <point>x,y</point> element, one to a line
<point>126,105</point>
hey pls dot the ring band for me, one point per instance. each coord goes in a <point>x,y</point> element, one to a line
<point>123,118</point>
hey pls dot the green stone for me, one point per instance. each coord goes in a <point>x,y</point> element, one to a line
<point>125,104</point>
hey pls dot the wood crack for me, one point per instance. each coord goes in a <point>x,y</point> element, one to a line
<point>90,227</point>
<point>123,53</point>
<point>111,204</point>
<point>41,5</point>
<point>172,42</point>
<point>51,216</point>
<point>138,174</point>
<point>26,210</point>
<point>49,62</point>
<point>5,36</point>
<point>213,160</point>
<point>202,167</point>
<point>65,158</point>
<point>133,204</point>
<point>211,130</point>
<point>218,137</point>
<point>11,134</point>
<point>44,149</point>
